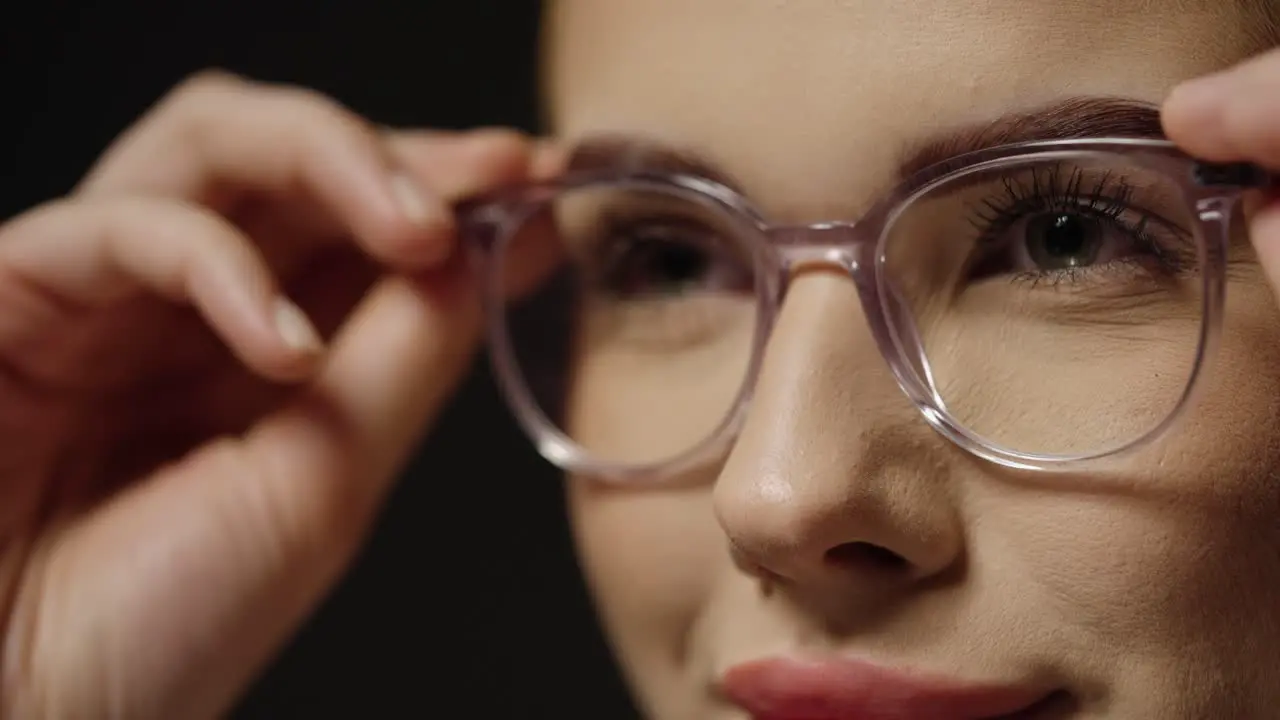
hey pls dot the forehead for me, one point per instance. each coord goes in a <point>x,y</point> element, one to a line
<point>792,95</point>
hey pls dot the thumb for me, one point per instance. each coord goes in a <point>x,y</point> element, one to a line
<point>1264,231</point>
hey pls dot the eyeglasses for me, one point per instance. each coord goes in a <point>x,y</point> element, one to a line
<point>1044,305</point>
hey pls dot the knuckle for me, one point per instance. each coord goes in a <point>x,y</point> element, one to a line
<point>198,233</point>
<point>201,102</point>
<point>316,123</point>
<point>38,219</point>
<point>194,96</point>
<point>208,233</point>
<point>132,211</point>
<point>312,108</point>
<point>306,99</point>
<point>210,80</point>
<point>57,206</point>
<point>193,107</point>
<point>208,106</point>
<point>503,138</point>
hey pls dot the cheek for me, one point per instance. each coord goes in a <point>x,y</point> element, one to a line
<point>1183,551</point>
<point>1123,572</point>
<point>650,557</point>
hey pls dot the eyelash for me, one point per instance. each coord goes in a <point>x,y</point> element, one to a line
<point>666,232</point>
<point>1158,246</point>
<point>1045,192</point>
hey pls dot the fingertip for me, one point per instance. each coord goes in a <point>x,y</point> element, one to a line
<point>417,207</point>
<point>1264,234</point>
<point>1264,228</point>
<point>284,347</point>
<point>499,142</point>
<point>1193,116</point>
<point>420,232</point>
<point>550,159</point>
<point>291,370</point>
<point>496,155</point>
<point>426,237</point>
<point>432,171</point>
<point>295,328</point>
<point>299,342</point>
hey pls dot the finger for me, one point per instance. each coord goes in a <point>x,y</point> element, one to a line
<point>457,165</point>
<point>550,159</point>
<point>271,520</point>
<point>1264,229</point>
<point>329,458</point>
<point>442,160</point>
<point>93,252</point>
<point>217,139</point>
<point>1230,116</point>
<point>488,159</point>
<point>434,156</point>
<point>231,549</point>
<point>403,350</point>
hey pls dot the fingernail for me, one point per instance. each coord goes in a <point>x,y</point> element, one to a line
<point>412,202</point>
<point>295,329</point>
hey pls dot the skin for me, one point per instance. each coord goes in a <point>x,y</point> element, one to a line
<point>248,447</point>
<point>1145,592</point>
<point>157,574</point>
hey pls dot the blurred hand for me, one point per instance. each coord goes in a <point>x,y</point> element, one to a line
<point>215,355</point>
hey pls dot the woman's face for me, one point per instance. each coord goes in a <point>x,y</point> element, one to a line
<point>839,525</point>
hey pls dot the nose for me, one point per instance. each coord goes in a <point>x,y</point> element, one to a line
<point>835,483</point>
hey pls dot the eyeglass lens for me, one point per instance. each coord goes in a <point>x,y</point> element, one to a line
<point>1058,303</point>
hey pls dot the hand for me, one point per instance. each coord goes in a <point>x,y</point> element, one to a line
<point>214,357</point>
<point>1234,116</point>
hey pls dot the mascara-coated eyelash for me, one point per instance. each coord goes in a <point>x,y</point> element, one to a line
<point>1107,200</point>
<point>692,253</point>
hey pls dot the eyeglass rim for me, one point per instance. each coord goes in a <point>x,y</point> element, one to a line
<point>487,221</point>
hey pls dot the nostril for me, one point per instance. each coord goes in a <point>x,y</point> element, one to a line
<point>865,556</point>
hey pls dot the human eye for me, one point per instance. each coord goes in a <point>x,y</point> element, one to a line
<point>658,272</point>
<point>1065,225</point>
<point>656,257</point>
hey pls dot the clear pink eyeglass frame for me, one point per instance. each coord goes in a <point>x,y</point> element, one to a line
<point>1212,192</point>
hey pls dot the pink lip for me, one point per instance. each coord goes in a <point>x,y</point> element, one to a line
<point>840,689</point>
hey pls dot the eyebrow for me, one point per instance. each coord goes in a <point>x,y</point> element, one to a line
<point>622,153</point>
<point>1075,118</point>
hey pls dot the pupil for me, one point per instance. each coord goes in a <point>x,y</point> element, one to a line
<point>1062,240</point>
<point>1065,236</point>
<point>674,264</point>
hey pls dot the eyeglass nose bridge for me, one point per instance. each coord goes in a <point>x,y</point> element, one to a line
<point>842,245</point>
<point>851,248</point>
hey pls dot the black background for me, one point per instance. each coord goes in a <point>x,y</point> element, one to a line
<point>467,602</point>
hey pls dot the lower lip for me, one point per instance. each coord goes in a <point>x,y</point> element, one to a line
<point>841,689</point>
